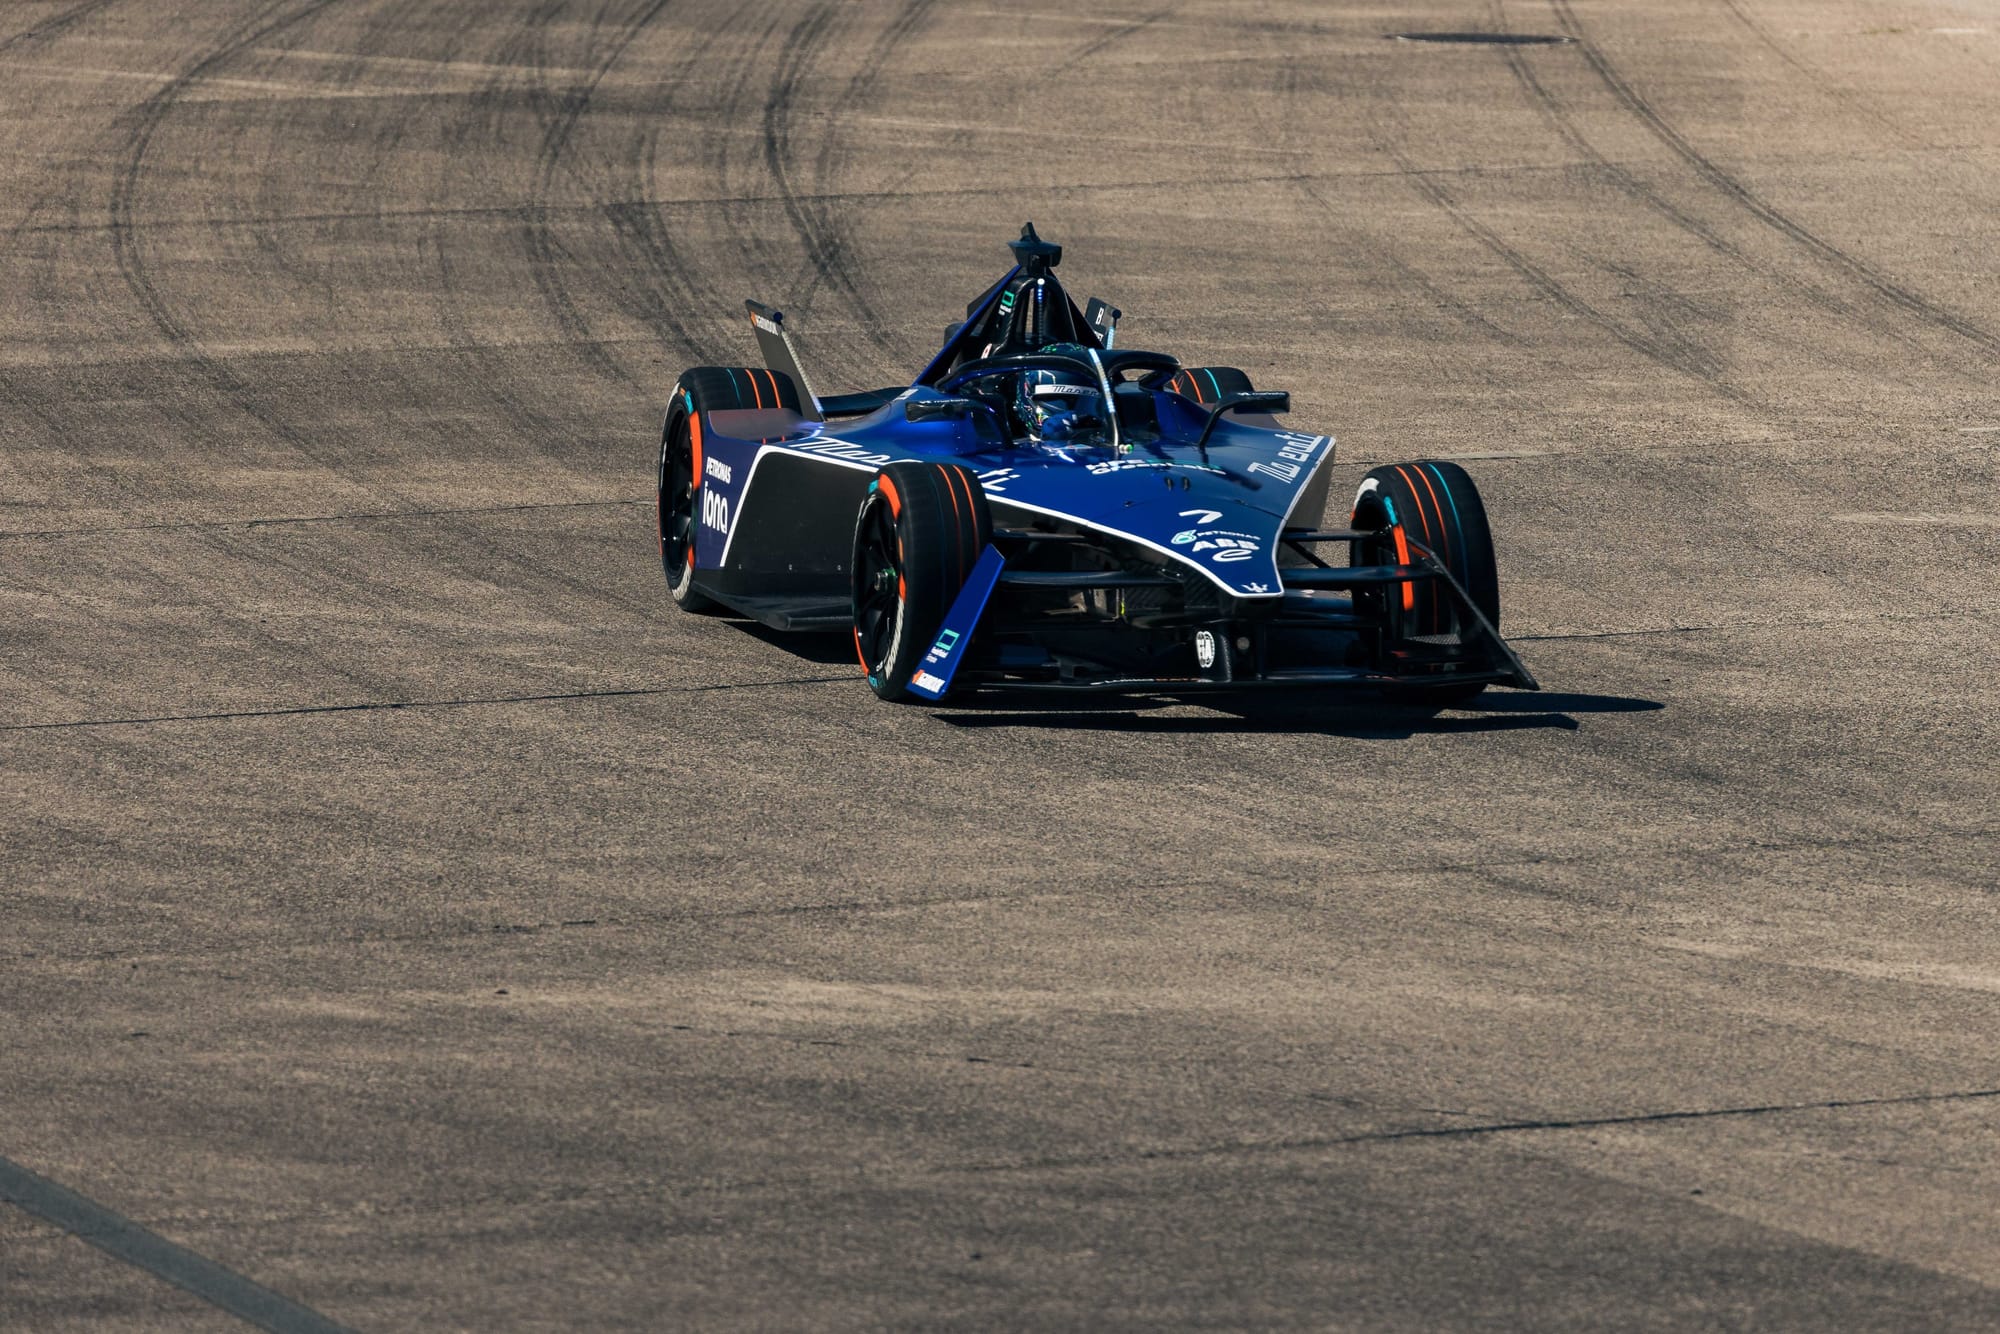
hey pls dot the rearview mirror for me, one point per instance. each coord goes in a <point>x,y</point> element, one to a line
<point>1276,400</point>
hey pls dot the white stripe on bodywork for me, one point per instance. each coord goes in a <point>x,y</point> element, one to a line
<point>1324,459</point>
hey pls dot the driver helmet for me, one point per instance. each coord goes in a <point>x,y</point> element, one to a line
<point>1058,404</point>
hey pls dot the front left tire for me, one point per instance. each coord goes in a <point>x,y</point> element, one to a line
<point>920,530</point>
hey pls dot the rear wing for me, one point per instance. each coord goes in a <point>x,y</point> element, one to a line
<point>775,342</point>
<point>781,356</point>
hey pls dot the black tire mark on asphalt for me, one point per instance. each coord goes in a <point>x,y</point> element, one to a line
<point>1521,64</point>
<point>285,520</point>
<point>1675,353</point>
<point>130,255</point>
<point>264,26</point>
<point>660,275</point>
<point>109,483</point>
<point>53,26</point>
<point>462,702</point>
<point>671,294</point>
<point>909,20</point>
<point>1036,888</point>
<point>1690,362</point>
<point>725,88</point>
<point>488,110</point>
<point>1438,296</point>
<point>825,247</point>
<point>546,257</point>
<point>545,437</point>
<point>1833,89</point>
<point>1103,42</point>
<point>1885,288</point>
<point>268,22</point>
<point>1483,1130</point>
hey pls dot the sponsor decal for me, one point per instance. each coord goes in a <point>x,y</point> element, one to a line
<point>714,511</point>
<point>1223,545</point>
<point>996,479</point>
<point>716,468</point>
<point>837,449</point>
<point>1256,588</point>
<point>929,682</point>
<point>760,322</point>
<point>1127,465</point>
<point>947,640</point>
<point>1294,452</point>
<point>1204,649</point>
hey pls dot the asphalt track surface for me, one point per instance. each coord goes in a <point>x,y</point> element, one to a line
<point>410,916</point>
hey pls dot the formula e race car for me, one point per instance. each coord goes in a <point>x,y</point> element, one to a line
<point>1040,508</point>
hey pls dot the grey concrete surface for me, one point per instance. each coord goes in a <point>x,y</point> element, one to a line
<point>408,909</point>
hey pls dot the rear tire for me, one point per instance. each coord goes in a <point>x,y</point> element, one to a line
<point>702,389</point>
<point>1434,503</point>
<point>921,528</point>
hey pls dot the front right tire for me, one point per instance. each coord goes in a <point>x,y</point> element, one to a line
<point>1432,502</point>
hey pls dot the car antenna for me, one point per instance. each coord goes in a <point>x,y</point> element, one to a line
<point>1035,256</point>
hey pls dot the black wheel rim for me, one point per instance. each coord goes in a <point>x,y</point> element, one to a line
<point>677,502</point>
<point>878,585</point>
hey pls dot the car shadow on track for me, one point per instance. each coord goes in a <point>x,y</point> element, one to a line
<point>1364,716</point>
<point>823,650</point>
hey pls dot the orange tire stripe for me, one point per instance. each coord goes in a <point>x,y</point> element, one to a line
<point>694,442</point>
<point>1444,548</point>
<point>1444,536</point>
<point>895,501</point>
<point>1423,516</point>
<point>1403,558</point>
<point>1417,496</point>
<point>971,519</point>
<point>951,484</point>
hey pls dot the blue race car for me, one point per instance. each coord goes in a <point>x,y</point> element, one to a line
<point>1042,509</point>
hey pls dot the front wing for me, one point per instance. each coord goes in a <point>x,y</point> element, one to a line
<point>1018,628</point>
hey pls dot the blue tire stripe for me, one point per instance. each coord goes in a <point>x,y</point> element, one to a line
<point>1455,523</point>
